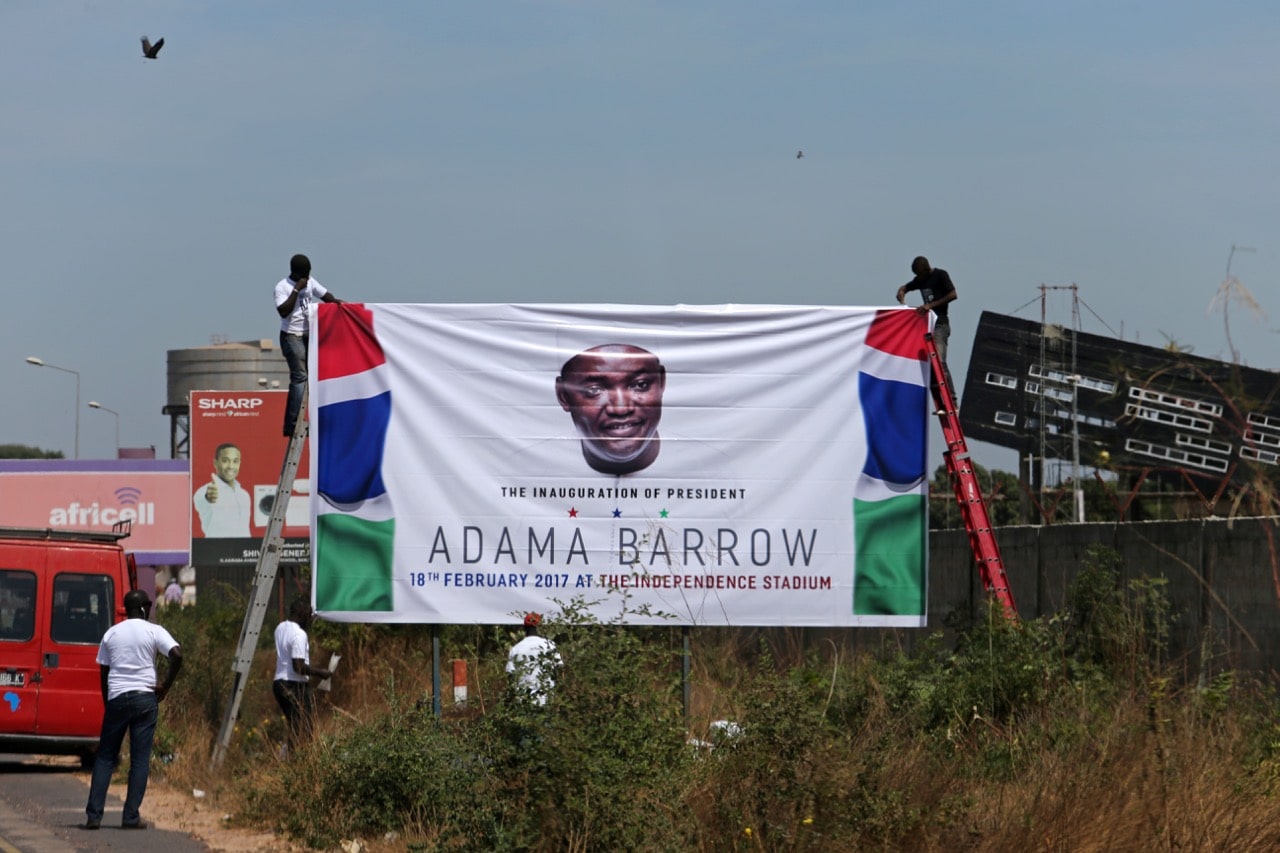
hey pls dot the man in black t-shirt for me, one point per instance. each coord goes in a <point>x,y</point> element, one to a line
<point>938,292</point>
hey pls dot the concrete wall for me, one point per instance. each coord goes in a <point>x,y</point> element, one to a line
<point>1223,580</point>
<point>1223,584</point>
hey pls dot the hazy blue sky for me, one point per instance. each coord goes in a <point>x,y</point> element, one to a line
<point>616,152</point>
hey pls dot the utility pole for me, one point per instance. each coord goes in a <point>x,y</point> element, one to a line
<point>1071,377</point>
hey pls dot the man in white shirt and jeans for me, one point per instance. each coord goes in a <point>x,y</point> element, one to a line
<point>294,296</point>
<point>127,665</point>
<point>292,684</point>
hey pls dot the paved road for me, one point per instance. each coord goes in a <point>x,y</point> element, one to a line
<point>42,808</point>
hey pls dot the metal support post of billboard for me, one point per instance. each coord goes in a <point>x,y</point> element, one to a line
<point>684,671</point>
<point>264,579</point>
<point>435,671</point>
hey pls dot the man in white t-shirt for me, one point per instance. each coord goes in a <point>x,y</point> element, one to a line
<point>223,505</point>
<point>127,666</point>
<point>533,663</point>
<point>293,296</point>
<point>292,684</point>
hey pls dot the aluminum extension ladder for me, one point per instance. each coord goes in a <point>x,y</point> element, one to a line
<point>264,580</point>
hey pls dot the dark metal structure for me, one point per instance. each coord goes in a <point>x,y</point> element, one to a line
<point>1041,389</point>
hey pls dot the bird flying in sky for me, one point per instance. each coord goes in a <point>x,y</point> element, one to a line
<point>799,154</point>
<point>149,50</point>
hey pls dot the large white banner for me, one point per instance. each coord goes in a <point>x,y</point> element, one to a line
<point>699,465</point>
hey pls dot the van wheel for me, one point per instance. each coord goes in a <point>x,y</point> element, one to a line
<point>87,757</point>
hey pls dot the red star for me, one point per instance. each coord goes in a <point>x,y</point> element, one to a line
<point>573,513</point>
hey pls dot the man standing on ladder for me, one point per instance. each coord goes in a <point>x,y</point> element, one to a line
<point>294,296</point>
<point>938,292</point>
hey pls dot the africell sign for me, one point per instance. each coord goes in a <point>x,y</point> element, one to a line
<point>94,495</point>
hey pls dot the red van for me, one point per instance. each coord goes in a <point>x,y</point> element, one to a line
<point>60,590</point>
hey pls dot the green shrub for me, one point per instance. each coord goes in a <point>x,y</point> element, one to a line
<point>208,632</point>
<point>604,762</point>
<point>768,772</point>
<point>998,738</point>
<point>1125,631</point>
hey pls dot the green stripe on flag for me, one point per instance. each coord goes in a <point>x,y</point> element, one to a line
<point>353,563</point>
<point>889,554</point>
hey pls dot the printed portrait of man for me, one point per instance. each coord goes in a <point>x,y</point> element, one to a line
<point>222,504</point>
<point>613,393</point>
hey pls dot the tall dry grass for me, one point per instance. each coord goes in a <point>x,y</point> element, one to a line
<point>1067,733</point>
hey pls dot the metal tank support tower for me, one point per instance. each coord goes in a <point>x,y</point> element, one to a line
<point>221,366</point>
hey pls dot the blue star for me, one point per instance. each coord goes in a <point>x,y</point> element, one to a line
<point>617,513</point>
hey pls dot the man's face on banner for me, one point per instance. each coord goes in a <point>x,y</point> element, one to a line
<point>614,394</point>
<point>227,464</point>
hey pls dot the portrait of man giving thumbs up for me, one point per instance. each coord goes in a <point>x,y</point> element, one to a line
<point>223,505</point>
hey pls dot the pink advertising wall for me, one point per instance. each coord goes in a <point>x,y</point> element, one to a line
<point>94,494</point>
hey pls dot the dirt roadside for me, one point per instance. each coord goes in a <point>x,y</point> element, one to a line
<point>168,807</point>
<point>182,810</point>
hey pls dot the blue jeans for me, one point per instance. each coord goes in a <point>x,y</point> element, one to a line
<point>295,355</point>
<point>136,714</point>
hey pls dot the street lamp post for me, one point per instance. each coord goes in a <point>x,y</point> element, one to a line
<point>31,359</point>
<point>94,404</point>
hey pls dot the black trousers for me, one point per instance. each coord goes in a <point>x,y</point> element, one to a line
<point>298,706</point>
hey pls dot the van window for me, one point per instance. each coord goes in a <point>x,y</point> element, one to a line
<point>17,605</point>
<point>82,608</point>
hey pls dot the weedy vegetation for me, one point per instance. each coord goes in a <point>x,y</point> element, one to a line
<point>1074,731</point>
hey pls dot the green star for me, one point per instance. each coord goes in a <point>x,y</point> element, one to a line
<point>662,513</point>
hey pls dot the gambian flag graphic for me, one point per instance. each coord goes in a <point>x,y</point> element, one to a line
<point>355,525</point>
<point>890,504</point>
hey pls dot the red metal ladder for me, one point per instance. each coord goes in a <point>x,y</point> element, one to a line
<point>982,540</point>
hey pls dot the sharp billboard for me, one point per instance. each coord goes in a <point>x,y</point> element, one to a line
<point>237,451</point>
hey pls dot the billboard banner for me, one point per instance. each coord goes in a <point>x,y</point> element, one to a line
<point>237,451</point>
<point>94,495</point>
<point>697,465</point>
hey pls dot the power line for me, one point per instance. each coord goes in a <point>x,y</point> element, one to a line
<point>1113,332</point>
